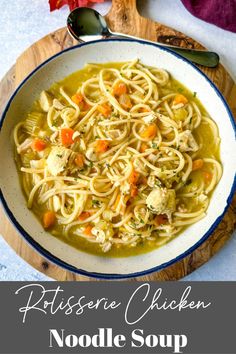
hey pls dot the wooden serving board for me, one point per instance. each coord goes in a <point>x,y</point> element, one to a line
<point>123,17</point>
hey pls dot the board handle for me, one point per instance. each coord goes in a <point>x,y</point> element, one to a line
<point>123,11</point>
<point>123,15</point>
<point>126,5</point>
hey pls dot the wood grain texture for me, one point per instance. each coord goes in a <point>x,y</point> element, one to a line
<point>122,17</point>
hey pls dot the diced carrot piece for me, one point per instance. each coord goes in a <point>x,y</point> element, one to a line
<point>119,89</point>
<point>105,109</point>
<point>84,215</point>
<point>38,145</point>
<point>180,99</point>
<point>66,136</point>
<point>77,98</point>
<point>125,101</point>
<point>85,106</point>
<point>133,191</point>
<point>143,147</point>
<point>133,178</point>
<point>79,160</point>
<point>102,146</point>
<point>207,176</point>
<point>88,230</point>
<point>160,219</point>
<point>143,110</point>
<point>49,219</point>
<point>197,164</point>
<point>150,132</point>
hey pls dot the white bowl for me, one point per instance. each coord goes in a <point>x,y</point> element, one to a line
<point>63,64</point>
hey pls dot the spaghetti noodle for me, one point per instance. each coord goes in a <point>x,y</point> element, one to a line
<point>121,161</point>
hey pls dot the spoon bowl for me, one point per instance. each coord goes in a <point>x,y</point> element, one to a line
<point>84,21</point>
<point>86,24</point>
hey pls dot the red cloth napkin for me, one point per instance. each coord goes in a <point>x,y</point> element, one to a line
<point>221,13</point>
<point>57,4</point>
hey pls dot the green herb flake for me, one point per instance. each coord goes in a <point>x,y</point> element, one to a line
<point>157,183</point>
<point>194,94</point>
<point>95,202</point>
<point>133,224</point>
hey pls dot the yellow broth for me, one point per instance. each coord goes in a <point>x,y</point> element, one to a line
<point>209,148</point>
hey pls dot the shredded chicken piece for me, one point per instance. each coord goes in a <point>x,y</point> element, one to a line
<point>57,159</point>
<point>186,142</point>
<point>162,201</point>
<point>45,101</point>
<point>25,145</point>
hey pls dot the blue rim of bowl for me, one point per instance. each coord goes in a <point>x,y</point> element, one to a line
<point>110,276</point>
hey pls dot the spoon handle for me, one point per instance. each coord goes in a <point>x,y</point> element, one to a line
<point>202,57</point>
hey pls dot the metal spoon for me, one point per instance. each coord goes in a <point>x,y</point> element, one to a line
<point>84,23</point>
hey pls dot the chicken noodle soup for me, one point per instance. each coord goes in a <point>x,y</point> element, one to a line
<point>118,158</point>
